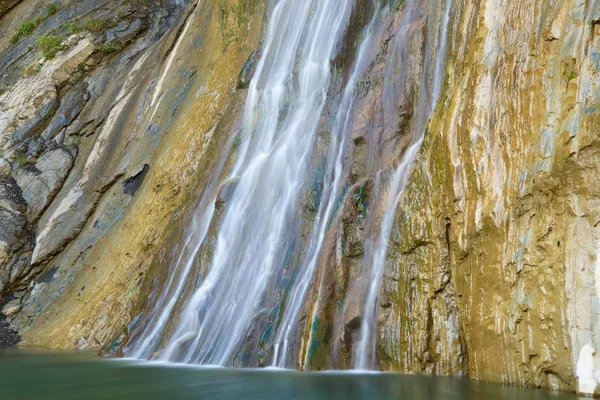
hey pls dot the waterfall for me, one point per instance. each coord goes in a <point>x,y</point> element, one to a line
<point>281,115</point>
<point>334,169</point>
<point>365,354</point>
<point>204,315</point>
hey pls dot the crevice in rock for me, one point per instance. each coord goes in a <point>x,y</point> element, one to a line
<point>132,184</point>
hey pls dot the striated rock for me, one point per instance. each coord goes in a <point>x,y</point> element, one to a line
<point>139,127</point>
<point>41,181</point>
<point>5,168</point>
<point>70,107</point>
<point>63,68</point>
<point>14,235</point>
<point>6,5</point>
<point>50,110</point>
<point>124,31</point>
<point>495,245</point>
<point>11,308</point>
<point>27,109</point>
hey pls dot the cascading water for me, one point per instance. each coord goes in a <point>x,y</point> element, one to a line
<point>335,168</point>
<point>282,111</point>
<point>365,354</point>
<point>207,322</point>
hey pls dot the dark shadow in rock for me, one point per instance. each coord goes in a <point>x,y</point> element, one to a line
<point>134,183</point>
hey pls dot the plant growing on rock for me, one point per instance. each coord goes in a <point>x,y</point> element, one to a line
<point>111,47</point>
<point>28,26</point>
<point>31,69</point>
<point>98,24</point>
<point>570,70</point>
<point>49,45</point>
<point>74,28</point>
<point>25,29</point>
<point>20,161</point>
<point>362,200</point>
<point>51,9</point>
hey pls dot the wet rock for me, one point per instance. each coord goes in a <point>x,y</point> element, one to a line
<point>9,306</point>
<point>9,337</point>
<point>119,132</point>
<point>182,344</point>
<point>249,69</point>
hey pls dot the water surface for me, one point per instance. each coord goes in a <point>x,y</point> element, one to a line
<point>36,375</point>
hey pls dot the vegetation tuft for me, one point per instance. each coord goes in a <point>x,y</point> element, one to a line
<point>28,26</point>
<point>362,200</point>
<point>51,9</point>
<point>570,70</point>
<point>21,161</point>
<point>98,24</point>
<point>25,29</point>
<point>74,28</point>
<point>111,47</point>
<point>49,45</point>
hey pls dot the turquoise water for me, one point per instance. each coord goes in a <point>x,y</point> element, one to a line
<point>34,375</point>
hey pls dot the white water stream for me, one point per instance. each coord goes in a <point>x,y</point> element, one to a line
<point>283,110</point>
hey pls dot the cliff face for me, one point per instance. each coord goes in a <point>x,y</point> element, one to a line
<point>123,113</point>
<point>64,138</point>
<point>111,128</point>
<point>494,254</point>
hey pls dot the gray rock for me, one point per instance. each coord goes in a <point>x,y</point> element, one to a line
<point>60,138</point>
<point>36,147</point>
<point>70,107</point>
<point>11,308</point>
<point>125,31</point>
<point>5,168</point>
<point>249,69</point>
<point>39,120</point>
<point>42,181</point>
<point>14,235</point>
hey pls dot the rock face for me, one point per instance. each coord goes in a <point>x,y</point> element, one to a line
<point>6,5</point>
<point>63,141</point>
<point>492,263</point>
<point>137,135</point>
<point>494,255</point>
<point>16,240</point>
